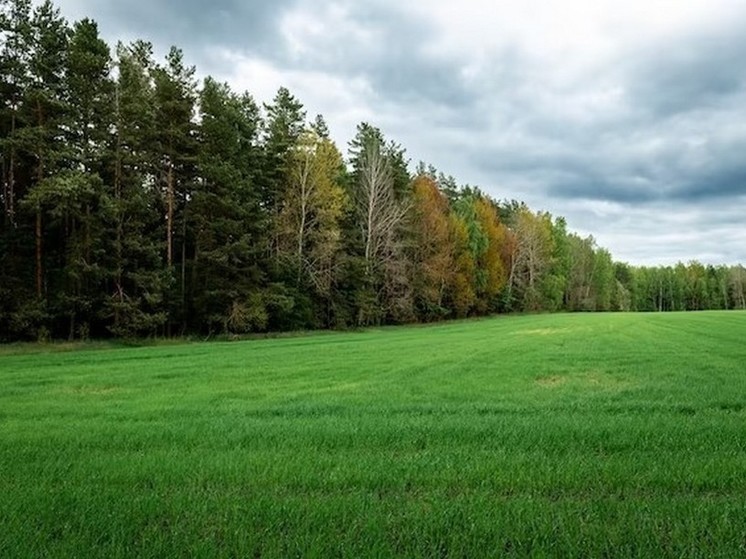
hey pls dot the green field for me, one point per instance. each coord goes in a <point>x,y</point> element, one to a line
<point>549,436</point>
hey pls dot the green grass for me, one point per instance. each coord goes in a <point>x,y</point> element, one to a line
<point>548,436</point>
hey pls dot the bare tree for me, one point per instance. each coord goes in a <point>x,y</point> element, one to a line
<point>380,213</point>
<point>737,283</point>
<point>533,255</point>
<point>381,207</point>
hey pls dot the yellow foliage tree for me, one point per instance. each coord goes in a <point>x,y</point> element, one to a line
<point>433,255</point>
<point>492,271</point>
<point>311,209</point>
<point>462,293</point>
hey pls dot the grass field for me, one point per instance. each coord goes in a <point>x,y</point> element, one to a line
<point>549,436</point>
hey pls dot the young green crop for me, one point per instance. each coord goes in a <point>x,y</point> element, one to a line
<point>549,436</point>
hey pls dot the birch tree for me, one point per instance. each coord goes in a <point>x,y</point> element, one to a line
<point>380,197</point>
<point>312,207</point>
<point>533,256</point>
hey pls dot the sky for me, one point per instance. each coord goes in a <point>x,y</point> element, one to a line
<point>628,118</point>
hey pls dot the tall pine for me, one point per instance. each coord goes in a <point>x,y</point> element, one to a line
<point>229,225</point>
<point>42,142</point>
<point>175,143</point>
<point>134,303</point>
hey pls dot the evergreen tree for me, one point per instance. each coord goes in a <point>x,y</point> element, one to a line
<point>15,50</point>
<point>283,125</point>
<point>80,197</point>
<point>20,314</point>
<point>135,298</point>
<point>42,142</point>
<point>320,127</point>
<point>229,272</point>
<point>175,158</point>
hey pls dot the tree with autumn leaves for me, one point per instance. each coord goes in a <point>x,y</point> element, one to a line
<point>312,205</point>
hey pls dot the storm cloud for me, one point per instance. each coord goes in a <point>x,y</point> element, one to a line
<point>629,119</point>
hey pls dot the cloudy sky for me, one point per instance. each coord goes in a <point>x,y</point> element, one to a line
<point>628,118</point>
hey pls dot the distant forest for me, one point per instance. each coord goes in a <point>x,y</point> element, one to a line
<point>138,202</point>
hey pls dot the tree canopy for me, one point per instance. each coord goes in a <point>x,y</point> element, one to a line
<point>139,202</point>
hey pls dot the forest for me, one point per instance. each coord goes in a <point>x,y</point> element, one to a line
<point>139,202</point>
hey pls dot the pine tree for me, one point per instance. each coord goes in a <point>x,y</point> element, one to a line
<point>135,302</point>
<point>15,49</point>
<point>175,156</point>
<point>80,196</point>
<point>283,125</point>
<point>41,155</point>
<point>20,315</point>
<point>226,215</point>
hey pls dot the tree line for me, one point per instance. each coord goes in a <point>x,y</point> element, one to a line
<point>138,202</point>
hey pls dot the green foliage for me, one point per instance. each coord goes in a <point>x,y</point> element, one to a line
<point>135,203</point>
<point>246,316</point>
<point>283,125</point>
<point>465,208</point>
<point>225,214</point>
<point>368,135</point>
<point>139,280</point>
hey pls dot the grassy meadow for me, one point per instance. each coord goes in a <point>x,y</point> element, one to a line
<point>588,435</point>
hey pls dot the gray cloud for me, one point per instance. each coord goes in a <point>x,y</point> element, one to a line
<point>692,73</point>
<point>190,23</point>
<point>664,232</point>
<point>196,27</point>
<point>652,127</point>
<point>726,182</point>
<point>675,130</point>
<point>392,57</point>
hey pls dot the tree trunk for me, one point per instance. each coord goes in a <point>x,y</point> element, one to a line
<point>88,233</point>
<point>119,217</point>
<point>724,287</point>
<point>170,215</point>
<point>38,236</point>
<point>304,194</point>
<point>12,176</point>
<point>183,274</point>
<point>660,296</point>
<point>6,194</point>
<point>71,334</point>
<point>38,229</point>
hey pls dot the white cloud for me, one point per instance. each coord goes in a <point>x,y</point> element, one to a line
<point>627,117</point>
<point>340,100</point>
